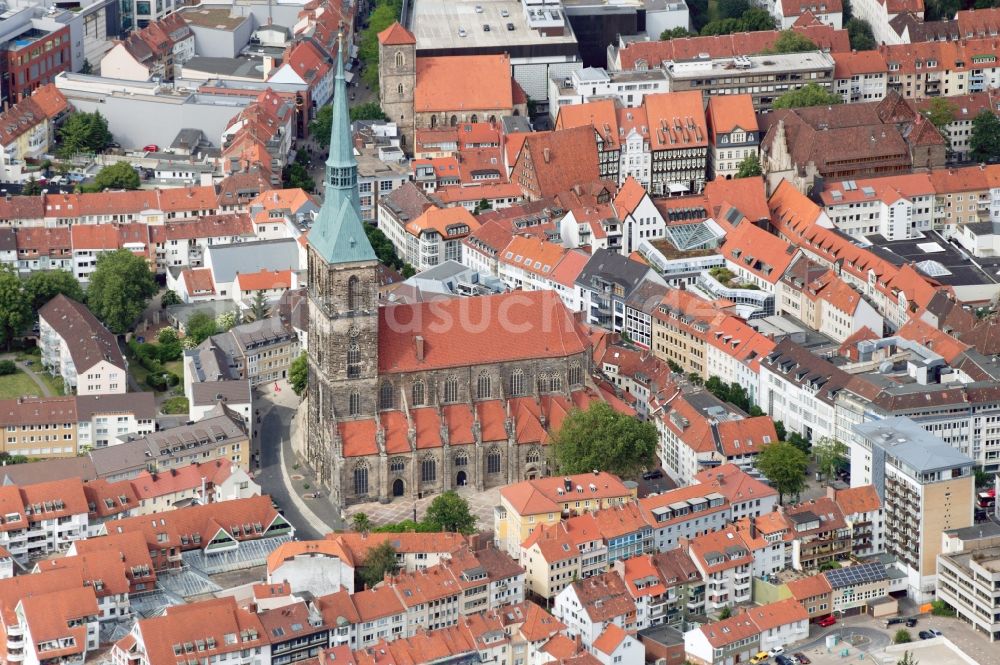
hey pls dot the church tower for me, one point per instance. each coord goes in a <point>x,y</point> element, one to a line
<point>343,300</point>
<point>397,78</point>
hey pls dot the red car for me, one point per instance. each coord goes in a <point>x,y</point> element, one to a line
<point>152,147</point>
<point>827,621</point>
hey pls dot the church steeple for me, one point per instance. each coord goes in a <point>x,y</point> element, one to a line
<point>338,233</point>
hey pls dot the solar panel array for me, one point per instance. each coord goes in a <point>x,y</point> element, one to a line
<point>864,573</point>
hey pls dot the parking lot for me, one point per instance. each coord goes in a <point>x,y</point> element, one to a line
<point>863,637</point>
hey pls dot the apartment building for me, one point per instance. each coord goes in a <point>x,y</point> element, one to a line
<point>799,389</point>
<point>681,324</point>
<point>684,513</point>
<point>823,301</point>
<point>926,487</point>
<point>548,500</point>
<point>819,533</point>
<point>740,637</point>
<point>942,68</point>
<point>77,347</point>
<point>860,76</point>
<point>208,482</point>
<point>604,284</point>
<point>965,108</point>
<point>260,352</point>
<point>726,564</point>
<point>864,517</point>
<point>894,207</point>
<point>587,607</point>
<point>733,134</point>
<point>431,238</point>
<point>763,77</point>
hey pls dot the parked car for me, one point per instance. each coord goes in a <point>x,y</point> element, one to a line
<point>911,622</point>
<point>925,635</point>
<point>510,27</point>
<point>776,651</point>
<point>827,621</point>
<point>935,632</point>
<point>653,475</point>
<point>893,621</point>
<point>802,658</point>
<point>761,657</point>
<point>783,660</point>
<point>152,147</point>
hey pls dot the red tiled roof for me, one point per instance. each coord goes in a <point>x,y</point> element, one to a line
<point>395,35</point>
<point>467,82</point>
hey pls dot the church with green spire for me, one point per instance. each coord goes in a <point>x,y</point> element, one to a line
<point>343,296</point>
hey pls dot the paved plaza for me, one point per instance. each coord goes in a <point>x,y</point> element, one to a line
<point>481,504</point>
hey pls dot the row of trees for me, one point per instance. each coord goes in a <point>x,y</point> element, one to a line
<point>386,12</point>
<point>120,288</point>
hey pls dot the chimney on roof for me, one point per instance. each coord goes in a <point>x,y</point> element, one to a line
<point>753,526</point>
<point>418,342</point>
<point>720,478</point>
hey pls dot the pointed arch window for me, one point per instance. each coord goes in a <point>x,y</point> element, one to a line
<point>354,404</point>
<point>484,387</point>
<point>517,383</point>
<point>385,396</point>
<point>400,59</point>
<point>493,460</point>
<point>399,89</point>
<point>361,479</point>
<point>575,375</point>
<point>428,470</point>
<point>355,294</point>
<point>417,394</point>
<point>397,465</point>
<point>451,389</point>
<point>353,361</point>
<point>461,460</point>
<point>555,383</point>
<point>533,457</point>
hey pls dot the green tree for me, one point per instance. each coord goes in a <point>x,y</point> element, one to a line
<point>119,175</point>
<point>725,612</point>
<point>830,455</point>
<point>170,298</point>
<point>799,441</point>
<point>450,512</point>
<point>31,188</point>
<point>601,438</point>
<point>939,608</point>
<point>169,345</point>
<point>732,8</point>
<point>384,14</point>
<point>384,249</point>
<point>298,374</point>
<point>86,67</point>
<point>200,326</point>
<point>941,10</point>
<point>673,33</point>
<point>983,479</point>
<point>258,309</point>
<point>15,306</point>
<point>829,565</point>
<point>779,429</point>
<point>227,320</point>
<point>120,288</point>
<point>482,206</point>
<point>785,466</point>
<point>7,367</point>
<point>810,94</point>
<point>379,562</point>
<point>790,41</point>
<point>860,34</point>
<point>320,126</point>
<point>902,636</point>
<point>84,132</point>
<point>750,167</point>
<point>940,111</point>
<point>367,111</point>
<point>907,659</point>
<point>756,19</point>
<point>44,285</point>
<point>985,138</point>
<point>295,175</point>
<point>361,523</point>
